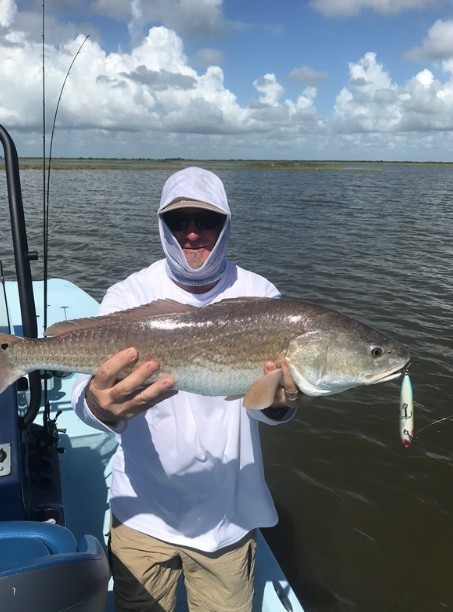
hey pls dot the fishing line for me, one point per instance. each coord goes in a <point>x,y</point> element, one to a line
<point>435,423</point>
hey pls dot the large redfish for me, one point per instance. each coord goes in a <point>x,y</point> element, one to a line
<point>219,349</point>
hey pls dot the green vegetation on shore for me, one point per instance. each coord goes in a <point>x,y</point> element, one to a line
<point>88,163</point>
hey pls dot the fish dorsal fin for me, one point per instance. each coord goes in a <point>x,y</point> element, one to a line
<point>261,393</point>
<point>243,300</point>
<point>131,315</point>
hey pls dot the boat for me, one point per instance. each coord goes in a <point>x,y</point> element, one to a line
<point>55,470</point>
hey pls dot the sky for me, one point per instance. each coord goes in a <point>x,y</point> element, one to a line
<point>230,79</point>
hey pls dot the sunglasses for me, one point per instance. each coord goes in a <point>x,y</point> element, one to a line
<point>205,220</point>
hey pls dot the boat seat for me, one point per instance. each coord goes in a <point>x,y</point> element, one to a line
<point>43,568</point>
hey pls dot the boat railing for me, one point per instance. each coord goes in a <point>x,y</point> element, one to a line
<point>22,257</point>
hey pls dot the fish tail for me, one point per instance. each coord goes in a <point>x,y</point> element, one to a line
<point>9,372</point>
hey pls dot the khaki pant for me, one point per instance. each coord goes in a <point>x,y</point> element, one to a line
<point>146,572</point>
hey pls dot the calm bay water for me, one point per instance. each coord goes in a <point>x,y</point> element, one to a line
<point>365,524</point>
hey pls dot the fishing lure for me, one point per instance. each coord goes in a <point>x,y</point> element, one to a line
<point>406,411</point>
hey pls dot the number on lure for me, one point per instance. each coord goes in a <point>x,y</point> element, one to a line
<point>406,411</point>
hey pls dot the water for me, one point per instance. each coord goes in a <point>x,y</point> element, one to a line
<point>364,522</point>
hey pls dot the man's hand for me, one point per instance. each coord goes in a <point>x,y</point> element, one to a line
<point>112,400</point>
<point>288,394</point>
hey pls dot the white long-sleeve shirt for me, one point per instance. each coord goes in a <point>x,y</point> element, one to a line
<point>189,470</point>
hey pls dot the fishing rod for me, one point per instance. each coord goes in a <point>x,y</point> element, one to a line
<point>46,177</point>
<point>44,161</point>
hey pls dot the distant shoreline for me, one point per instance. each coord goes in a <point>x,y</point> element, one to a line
<point>35,163</point>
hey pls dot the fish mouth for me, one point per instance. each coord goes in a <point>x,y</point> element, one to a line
<point>386,378</point>
<point>389,374</point>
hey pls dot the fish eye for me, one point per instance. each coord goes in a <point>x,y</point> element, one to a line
<point>376,351</point>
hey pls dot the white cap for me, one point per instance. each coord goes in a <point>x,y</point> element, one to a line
<point>194,184</point>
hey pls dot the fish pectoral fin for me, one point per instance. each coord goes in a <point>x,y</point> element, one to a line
<point>261,393</point>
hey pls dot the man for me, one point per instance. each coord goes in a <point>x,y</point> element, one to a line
<point>188,488</point>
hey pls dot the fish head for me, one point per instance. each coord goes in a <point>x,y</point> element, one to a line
<point>343,354</point>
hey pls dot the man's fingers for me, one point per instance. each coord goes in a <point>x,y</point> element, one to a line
<point>137,379</point>
<point>158,391</point>
<point>291,389</point>
<point>111,399</point>
<point>109,371</point>
<point>136,391</point>
<point>269,366</point>
<point>292,392</point>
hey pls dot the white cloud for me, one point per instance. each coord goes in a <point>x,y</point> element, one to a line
<point>308,76</point>
<point>8,10</point>
<point>369,103</point>
<point>209,57</point>
<point>335,8</point>
<point>303,113</point>
<point>368,76</point>
<point>425,78</point>
<point>372,102</point>
<point>427,103</point>
<point>438,44</point>
<point>152,88</point>
<point>269,88</point>
<point>135,26</point>
<point>447,65</point>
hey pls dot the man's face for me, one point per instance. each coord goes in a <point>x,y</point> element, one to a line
<point>196,231</point>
